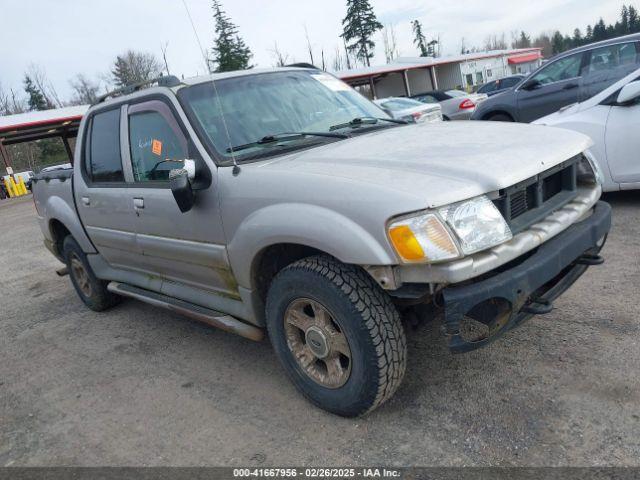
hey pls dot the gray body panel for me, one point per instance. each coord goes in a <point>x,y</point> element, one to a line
<point>337,198</point>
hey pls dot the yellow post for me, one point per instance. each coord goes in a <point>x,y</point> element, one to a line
<point>23,187</point>
<point>7,185</point>
<point>14,187</point>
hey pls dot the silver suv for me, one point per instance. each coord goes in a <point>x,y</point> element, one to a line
<point>283,201</point>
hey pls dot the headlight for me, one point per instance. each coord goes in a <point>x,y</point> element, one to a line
<point>427,238</point>
<point>477,223</point>
<point>590,164</point>
<point>422,239</point>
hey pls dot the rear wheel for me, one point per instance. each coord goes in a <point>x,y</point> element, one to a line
<point>337,334</point>
<point>501,117</point>
<point>92,291</point>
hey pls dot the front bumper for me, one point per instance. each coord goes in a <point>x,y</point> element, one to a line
<point>503,301</point>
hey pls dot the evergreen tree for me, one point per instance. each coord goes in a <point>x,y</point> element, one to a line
<point>557,43</point>
<point>524,41</point>
<point>599,31</point>
<point>634,21</point>
<point>589,35</point>
<point>577,39</point>
<point>624,21</point>
<point>358,28</point>
<point>229,50</point>
<point>419,39</point>
<point>37,100</point>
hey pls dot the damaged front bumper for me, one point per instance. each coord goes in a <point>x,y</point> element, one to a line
<point>479,312</point>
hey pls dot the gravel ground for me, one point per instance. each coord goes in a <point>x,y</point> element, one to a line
<point>141,386</point>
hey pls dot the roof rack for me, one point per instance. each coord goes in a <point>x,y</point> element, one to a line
<point>162,81</point>
<point>302,65</point>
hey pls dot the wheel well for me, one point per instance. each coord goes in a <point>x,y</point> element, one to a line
<point>274,258</point>
<point>489,115</point>
<point>59,232</point>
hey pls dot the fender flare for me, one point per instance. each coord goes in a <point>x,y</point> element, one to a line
<point>69,218</point>
<point>308,225</point>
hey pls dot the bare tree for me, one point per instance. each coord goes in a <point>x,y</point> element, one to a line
<point>85,91</point>
<point>135,67</point>
<point>338,61</point>
<point>281,58</point>
<point>163,48</point>
<point>309,46</point>
<point>42,83</point>
<point>543,41</point>
<point>390,44</point>
<point>495,42</point>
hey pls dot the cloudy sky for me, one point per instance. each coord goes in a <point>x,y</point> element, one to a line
<point>66,37</point>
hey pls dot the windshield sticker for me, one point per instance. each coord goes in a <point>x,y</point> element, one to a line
<point>332,83</point>
<point>156,147</point>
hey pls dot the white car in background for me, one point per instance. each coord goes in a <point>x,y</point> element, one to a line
<point>612,120</point>
<point>410,110</point>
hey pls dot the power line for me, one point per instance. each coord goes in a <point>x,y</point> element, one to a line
<point>195,32</point>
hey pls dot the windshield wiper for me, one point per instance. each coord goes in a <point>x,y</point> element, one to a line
<point>279,137</point>
<point>358,121</point>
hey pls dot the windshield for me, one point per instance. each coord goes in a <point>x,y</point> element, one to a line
<point>456,93</point>
<point>268,104</point>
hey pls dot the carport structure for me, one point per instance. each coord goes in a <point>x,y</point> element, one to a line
<point>40,125</point>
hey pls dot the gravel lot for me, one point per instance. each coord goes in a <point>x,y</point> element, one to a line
<point>142,386</point>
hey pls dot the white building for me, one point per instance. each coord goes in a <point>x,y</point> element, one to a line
<point>407,76</point>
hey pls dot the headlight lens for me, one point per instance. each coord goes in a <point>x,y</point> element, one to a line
<point>422,239</point>
<point>477,223</point>
<point>583,169</point>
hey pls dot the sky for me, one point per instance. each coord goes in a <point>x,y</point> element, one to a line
<point>67,37</point>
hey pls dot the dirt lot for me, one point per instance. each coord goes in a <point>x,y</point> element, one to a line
<point>141,386</point>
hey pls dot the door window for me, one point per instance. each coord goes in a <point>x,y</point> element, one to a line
<point>103,162</point>
<point>157,145</point>
<point>607,65</point>
<point>563,69</point>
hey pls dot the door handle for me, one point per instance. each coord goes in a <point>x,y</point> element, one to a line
<point>570,86</point>
<point>86,201</point>
<point>138,203</point>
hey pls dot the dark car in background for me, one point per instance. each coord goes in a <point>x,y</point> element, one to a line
<point>570,77</point>
<point>500,85</point>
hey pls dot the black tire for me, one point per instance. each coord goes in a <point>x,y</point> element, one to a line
<point>365,315</point>
<point>500,117</point>
<point>92,291</point>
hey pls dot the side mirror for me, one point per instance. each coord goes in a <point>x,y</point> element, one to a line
<point>531,85</point>
<point>630,92</point>
<point>180,183</point>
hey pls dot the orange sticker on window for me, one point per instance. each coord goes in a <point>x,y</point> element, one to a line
<point>156,147</point>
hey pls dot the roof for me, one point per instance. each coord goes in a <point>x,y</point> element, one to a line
<point>412,63</point>
<point>24,127</point>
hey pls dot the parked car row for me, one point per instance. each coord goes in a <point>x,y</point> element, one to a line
<point>410,110</point>
<point>455,104</point>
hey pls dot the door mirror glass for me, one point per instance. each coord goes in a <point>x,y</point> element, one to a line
<point>629,93</point>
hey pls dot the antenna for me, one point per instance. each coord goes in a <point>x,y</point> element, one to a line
<point>195,32</point>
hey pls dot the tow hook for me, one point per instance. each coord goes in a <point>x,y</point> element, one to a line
<point>589,259</point>
<point>538,306</point>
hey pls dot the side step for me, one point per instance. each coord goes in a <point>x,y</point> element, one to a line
<point>195,312</point>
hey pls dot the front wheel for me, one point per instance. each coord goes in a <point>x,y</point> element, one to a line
<point>337,334</point>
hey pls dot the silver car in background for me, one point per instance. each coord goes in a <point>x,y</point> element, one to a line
<point>410,110</point>
<point>455,104</point>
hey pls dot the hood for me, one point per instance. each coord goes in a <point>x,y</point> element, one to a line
<point>439,163</point>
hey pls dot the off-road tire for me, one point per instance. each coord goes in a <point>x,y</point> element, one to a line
<point>99,298</point>
<point>368,319</point>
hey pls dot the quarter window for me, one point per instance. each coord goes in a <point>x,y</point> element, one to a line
<point>157,146</point>
<point>105,163</point>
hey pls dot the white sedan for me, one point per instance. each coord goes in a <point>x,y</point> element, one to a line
<point>410,110</point>
<point>612,120</point>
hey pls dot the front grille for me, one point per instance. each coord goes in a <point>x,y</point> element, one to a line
<point>530,201</point>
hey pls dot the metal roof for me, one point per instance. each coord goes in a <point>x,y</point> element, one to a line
<point>412,63</point>
<point>25,127</point>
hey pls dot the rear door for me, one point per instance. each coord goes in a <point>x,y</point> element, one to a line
<point>181,248</point>
<point>558,86</point>
<point>101,191</point>
<point>606,65</point>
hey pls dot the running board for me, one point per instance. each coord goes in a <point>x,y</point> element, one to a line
<point>195,312</point>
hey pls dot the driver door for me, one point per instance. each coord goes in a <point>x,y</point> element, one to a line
<point>559,85</point>
<point>180,248</point>
<point>623,143</point>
